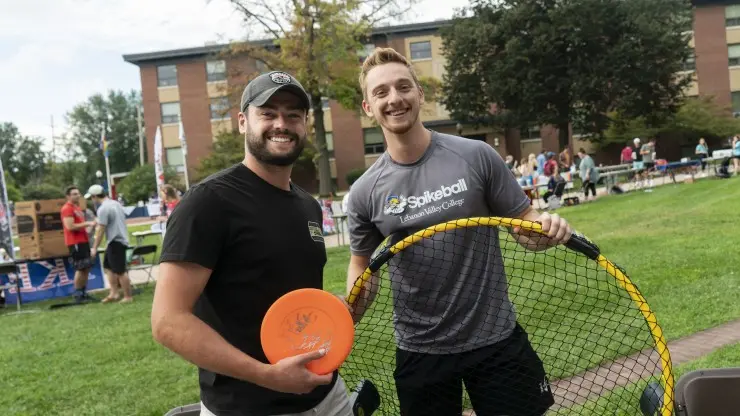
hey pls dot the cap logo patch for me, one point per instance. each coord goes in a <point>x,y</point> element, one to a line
<point>280,78</point>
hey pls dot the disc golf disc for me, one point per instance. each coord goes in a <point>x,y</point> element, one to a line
<point>306,320</point>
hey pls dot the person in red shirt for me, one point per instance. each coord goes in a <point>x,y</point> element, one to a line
<point>75,237</point>
<point>626,157</point>
<point>169,198</point>
<point>551,166</point>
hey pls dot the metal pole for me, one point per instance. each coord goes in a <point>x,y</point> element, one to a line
<point>185,162</point>
<point>141,135</point>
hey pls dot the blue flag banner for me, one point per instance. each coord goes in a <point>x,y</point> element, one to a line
<point>48,279</point>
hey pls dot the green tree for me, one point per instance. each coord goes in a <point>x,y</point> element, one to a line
<point>227,150</point>
<point>116,113</point>
<point>141,183</point>
<point>697,117</point>
<point>320,42</point>
<point>68,172</point>
<point>22,156</point>
<point>14,193</point>
<point>557,63</point>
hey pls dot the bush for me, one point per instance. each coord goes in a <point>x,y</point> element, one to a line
<point>354,175</point>
<point>41,191</point>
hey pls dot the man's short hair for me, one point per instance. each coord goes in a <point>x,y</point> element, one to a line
<point>70,189</point>
<point>582,150</point>
<point>381,56</point>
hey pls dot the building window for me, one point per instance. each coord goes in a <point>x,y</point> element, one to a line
<point>690,64</point>
<point>374,140</point>
<point>736,101</point>
<point>530,133</point>
<point>174,156</point>
<point>215,70</point>
<point>732,15</point>
<point>166,75</point>
<point>421,50</point>
<point>170,112</point>
<point>220,108</point>
<point>733,52</point>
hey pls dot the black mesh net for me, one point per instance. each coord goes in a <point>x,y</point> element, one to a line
<point>466,321</point>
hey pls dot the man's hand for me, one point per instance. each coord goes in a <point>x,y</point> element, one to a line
<point>290,375</point>
<point>556,228</point>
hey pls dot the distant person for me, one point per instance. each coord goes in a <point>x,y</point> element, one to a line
<point>589,174</point>
<point>170,199</point>
<point>565,160</point>
<point>637,164</point>
<point>552,185</point>
<point>526,171</point>
<point>112,221</point>
<point>77,240</point>
<point>541,159</point>
<point>702,151</point>
<point>648,159</point>
<point>626,156</point>
<point>736,154</point>
<point>551,165</point>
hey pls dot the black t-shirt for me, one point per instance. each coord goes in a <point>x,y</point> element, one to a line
<point>261,242</point>
<point>638,156</point>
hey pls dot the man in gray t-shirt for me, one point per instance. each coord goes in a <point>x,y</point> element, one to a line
<point>453,319</point>
<point>112,221</point>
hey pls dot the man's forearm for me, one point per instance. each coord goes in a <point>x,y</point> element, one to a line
<point>98,237</point>
<point>366,296</point>
<point>198,343</point>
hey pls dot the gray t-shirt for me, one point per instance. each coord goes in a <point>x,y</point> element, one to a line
<point>649,148</point>
<point>113,217</point>
<point>452,296</point>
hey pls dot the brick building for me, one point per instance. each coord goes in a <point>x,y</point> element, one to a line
<point>190,84</point>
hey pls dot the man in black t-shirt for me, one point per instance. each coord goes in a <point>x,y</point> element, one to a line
<point>237,242</point>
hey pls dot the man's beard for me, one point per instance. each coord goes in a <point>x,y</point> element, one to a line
<point>257,147</point>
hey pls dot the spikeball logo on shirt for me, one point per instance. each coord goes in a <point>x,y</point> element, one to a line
<point>394,205</point>
<point>397,204</point>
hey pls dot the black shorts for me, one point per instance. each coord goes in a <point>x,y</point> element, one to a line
<point>80,253</point>
<point>507,378</point>
<point>115,257</point>
<point>649,165</point>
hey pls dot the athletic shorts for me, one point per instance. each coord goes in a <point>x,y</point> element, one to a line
<point>638,165</point>
<point>115,257</point>
<point>506,378</point>
<point>649,165</point>
<point>80,253</point>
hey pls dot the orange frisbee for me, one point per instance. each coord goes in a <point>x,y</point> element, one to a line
<point>306,320</point>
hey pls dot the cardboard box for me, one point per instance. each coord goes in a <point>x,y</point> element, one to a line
<point>40,229</point>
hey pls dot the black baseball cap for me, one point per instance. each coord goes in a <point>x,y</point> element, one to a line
<point>260,89</point>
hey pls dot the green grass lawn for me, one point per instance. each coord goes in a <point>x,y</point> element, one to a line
<point>675,244</point>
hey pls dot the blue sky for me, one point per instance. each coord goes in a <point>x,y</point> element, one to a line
<point>56,53</point>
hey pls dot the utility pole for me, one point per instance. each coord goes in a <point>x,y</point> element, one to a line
<point>53,140</point>
<point>141,135</point>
